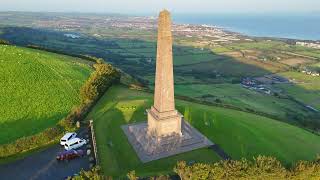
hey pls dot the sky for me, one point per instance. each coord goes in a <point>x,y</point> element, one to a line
<point>153,6</point>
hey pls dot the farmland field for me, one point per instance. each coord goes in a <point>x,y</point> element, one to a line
<point>207,67</point>
<point>239,134</point>
<point>236,95</point>
<point>303,82</point>
<point>37,90</point>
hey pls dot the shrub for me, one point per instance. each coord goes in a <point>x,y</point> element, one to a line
<point>132,175</point>
<point>98,82</point>
<point>306,170</point>
<point>93,174</point>
<point>261,167</point>
<point>4,42</point>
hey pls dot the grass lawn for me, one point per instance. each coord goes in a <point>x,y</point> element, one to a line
<point>37,90</point>
<point>236,95</point>
<point>306,90</point>
<point>194,58</point>
<point>226,66</point>
<point>221,49</point>
<point>261,45</point>
<point>121,106</point>
<point>239,134</point>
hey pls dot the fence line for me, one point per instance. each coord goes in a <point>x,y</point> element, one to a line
<point>94,143</point>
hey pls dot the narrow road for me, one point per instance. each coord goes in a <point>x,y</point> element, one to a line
<point>43,165</point>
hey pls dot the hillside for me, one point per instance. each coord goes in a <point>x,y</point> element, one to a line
<point>37,89</point>
<point>202,71</point>
<point>240,134</point>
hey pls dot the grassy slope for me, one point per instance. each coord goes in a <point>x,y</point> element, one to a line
<point>239,134</point>
<point>121,106</point>
<point>37,89</point>
<point>236,95</point>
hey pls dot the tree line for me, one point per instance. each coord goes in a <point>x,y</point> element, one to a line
<point>98,83</point>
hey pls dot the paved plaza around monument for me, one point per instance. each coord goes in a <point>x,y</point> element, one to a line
<point>150,148</point>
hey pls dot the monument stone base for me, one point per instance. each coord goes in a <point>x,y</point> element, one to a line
<point>163,123</point>
<point>150,147</point>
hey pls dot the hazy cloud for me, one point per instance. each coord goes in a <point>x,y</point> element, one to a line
<point>152,6</point>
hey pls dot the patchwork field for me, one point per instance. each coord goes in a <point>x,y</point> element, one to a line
<point>207,66</point>
<point>239,134</point>
<point>306,89</point>
<point>236,95</point>
<point>37,90</point>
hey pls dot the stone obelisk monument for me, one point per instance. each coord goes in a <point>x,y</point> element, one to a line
<point>166,133</point>
<point>163,119</point>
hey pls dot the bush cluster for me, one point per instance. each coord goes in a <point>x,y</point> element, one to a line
<point>98,83</point>
<point>94,174</point>
<point>4,42</point>
<point>261,168</point>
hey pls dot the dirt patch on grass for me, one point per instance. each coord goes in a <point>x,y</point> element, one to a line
<point>296,61</point>
<point>235,54</point>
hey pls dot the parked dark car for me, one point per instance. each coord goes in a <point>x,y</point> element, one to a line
<point>69,155</point>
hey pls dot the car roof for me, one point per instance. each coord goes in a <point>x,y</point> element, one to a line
<point>67,135</point>
<point>71,141</point>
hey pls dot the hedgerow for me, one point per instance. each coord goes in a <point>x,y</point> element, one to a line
<point>261,167</point>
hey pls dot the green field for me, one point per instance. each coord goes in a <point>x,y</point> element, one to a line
<point>194,58</point>
<point>195,67</point>
<point>268,45</point>
<point>261,45</point>
<point>236,95</point>
<point>37,90</point>
<point>239,134</point>
<point>307,88</point>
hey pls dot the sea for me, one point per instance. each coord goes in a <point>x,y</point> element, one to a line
<point>292,26</point>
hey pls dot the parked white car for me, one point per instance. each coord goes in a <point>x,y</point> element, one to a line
<point>74,143</point>
<point>67,137</point>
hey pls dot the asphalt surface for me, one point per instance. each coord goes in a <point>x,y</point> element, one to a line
<point>43,165</point>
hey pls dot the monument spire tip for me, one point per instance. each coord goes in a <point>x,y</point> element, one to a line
<point>165,11</point>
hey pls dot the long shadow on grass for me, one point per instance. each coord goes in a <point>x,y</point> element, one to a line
<point>113,145</point>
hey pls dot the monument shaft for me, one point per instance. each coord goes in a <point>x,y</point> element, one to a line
<point>166,132</point>
<point>163,119</point>
<point>164,91</point>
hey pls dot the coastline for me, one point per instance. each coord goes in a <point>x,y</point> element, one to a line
<point>300,27</point>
